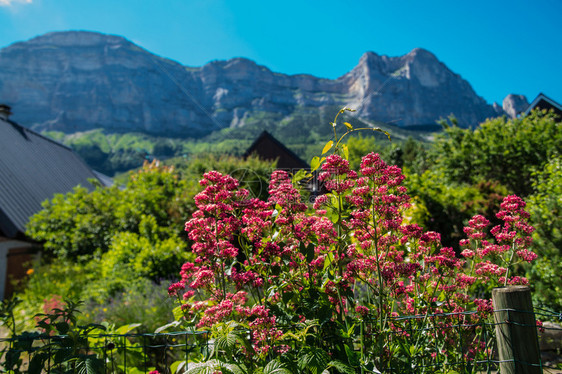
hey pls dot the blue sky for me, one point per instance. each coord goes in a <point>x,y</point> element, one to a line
<point>499,46</point>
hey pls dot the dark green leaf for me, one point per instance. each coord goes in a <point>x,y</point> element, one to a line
<point>314,359</point>
<point>90,365</point>
<point>275,367</point>
<point>62,327</point>
<point>62,355</point>
<point>36,363</point>
<point>308,251</point>
<point>351,356</point>
<point>341,367</point>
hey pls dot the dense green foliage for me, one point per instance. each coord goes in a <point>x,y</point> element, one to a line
<point>467,171</point>
<point>303,132</point>
<point>111,153</point>
<point>59,343</point>
<point>545,206</point>
<point>446,207</point>
<point>500,149</point>
<point>81,224</point>
<point>113,246</point>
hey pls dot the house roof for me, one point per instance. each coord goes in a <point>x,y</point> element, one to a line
<point>32,169</point>
<point>268,148</point>
<point>544,102</point>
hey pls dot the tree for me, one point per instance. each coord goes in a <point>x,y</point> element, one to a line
<point>500,149</point>
<point>81,224</point>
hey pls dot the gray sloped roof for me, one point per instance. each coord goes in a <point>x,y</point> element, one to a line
<point>32,169</point>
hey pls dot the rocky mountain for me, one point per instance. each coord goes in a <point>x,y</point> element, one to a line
<point>76,80</point>
<point>513,105</point>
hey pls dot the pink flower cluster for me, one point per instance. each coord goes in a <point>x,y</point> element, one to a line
<point>256,261</point>
<point>493,260</point>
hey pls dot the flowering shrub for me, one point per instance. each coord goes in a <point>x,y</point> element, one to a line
<point>326,287</point>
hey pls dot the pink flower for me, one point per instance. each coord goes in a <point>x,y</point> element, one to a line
<point>516,280</point>
<point>527,255</point>
<point>175,288</point>
<point>362,310</point>
<point>336,165</point>
<point>540,326</point>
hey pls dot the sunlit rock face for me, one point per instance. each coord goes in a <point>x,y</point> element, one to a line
<point>76,81</point>
<point>514,105</point>
<point>413,89</point>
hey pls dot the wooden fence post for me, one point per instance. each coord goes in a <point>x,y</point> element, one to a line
<point>516,331</point>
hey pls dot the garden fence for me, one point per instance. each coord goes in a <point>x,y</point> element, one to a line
<point>171,352</point>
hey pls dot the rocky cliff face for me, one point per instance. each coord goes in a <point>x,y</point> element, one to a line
<point>513,105</point>
<point>413,89</point>
<point>75,81</point>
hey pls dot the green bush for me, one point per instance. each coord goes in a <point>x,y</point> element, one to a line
<point>80,225</point>
<point>545,207</point>
<point>500,149</point>
<point>446,207</point>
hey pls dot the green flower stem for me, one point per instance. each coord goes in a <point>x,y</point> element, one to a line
<point>509,263</point>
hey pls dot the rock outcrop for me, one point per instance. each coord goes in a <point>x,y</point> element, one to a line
<point>76,81</point>
<point>513,105</point>
<point>413,89</point>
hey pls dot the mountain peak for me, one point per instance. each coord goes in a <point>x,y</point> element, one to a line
<point>421,53</point>
<point>76,38</point>
<point>369,55</point>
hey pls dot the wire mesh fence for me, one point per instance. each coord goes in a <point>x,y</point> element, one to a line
<point>447,342</point>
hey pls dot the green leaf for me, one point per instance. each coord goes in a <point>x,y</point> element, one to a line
<point>44,325</point>
<point>167,326</point>
<point>348,125</point>
<point>341,367</point>
<point>62,328</point>
<point>209,367</point>
<point>315,163</point>
<point>300,175</point>
<point>125,329</point>
<point>308,251</point>
<point>177,312</point>
<point>287,296</point>
<point>384,132</point>
<point>177,367</point>
<point>36,363</point>
<point>90,365</point>
<point>275,367</point>
<point>134,371</point>
<point>334,216</point>
<point>351,356</point>
<point>328,261</point>
<point>62,355</point>
<point>26,339</point>
<point>345,151</point>
<point>313,359</point>
<point>327,147</point>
